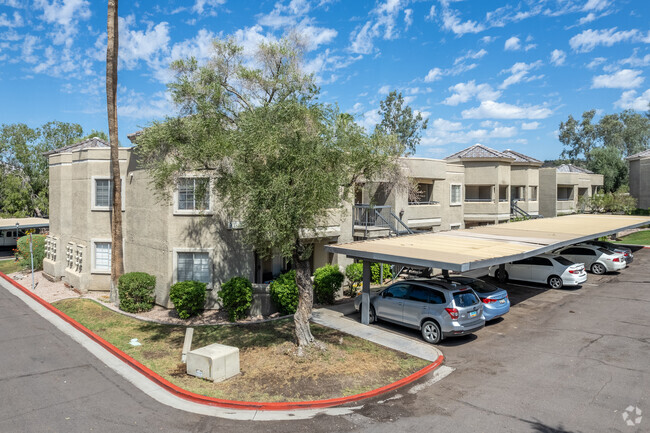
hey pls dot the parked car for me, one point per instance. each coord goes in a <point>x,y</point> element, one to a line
<point>597,259</point>
<point>439,309</point>
<point>495,300</point>
<point>627,252</point>
<point>551,269</point>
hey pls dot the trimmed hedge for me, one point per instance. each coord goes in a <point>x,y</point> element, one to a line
<point>136,291</point>
<point>188,298</point>
<point>38,248</point>
<point>327,281</point>
<point>236,295</point>
<point>284,292</point>
<point>354,272</point>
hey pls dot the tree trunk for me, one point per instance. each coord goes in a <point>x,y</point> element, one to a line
<point>117,261</point>
<point>305,303</point>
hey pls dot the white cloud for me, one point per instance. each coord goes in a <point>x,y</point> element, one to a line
<point>501,110</point>
<point>450,21</point>
<point>595,5</point>
<point>513,43</point>
<point>65,16</point>
<point>7,22</point>
<point>635,61</point>
<point>433,75</point>
<point>587,18</point>
<point>629,101</point>
<point>315,36</point>
<point>138,106</point>
<point>488,39</point>
<point>28,47</point>
<point>141,45</point>
<point>590,39</point>
<point>408,18</point>
<point>519,72</point>
<point>471,55</point>
<point>443,132</point>
<point>463,92</point>
<point>558,57</point>
<point>382,23</point>
<point>369,120</point>
<point>596,61</point>
<point>207,6</point>
<point>446,125</point>
<point>384,90</point>
<point>623,79</point>
<point>529,126</point>
<point>432,13</point>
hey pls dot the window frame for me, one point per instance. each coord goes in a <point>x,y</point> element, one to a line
<point>460,194</point>
<point>93,193</point>
<point>210,285</point>
<point>208,211</point>
<point>93,256</point>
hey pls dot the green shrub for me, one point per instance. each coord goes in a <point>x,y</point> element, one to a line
<point>188,298</point>
<point>136,292</point>
<point>38,248</point>
<point>376,274</point>
<point>284,292</point>
<point>354,274</point>
<point>236,295</point>
<point>327,281</point>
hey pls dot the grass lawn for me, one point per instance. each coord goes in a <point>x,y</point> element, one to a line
<point>637,238</point>
<point>9,266</point>
<point>269,370</point>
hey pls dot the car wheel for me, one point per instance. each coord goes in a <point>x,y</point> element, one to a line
<point>502,275</point>
<point>372,317</point>
<point>555,282</point>
<point>598,269</point>
<point>431,332</point>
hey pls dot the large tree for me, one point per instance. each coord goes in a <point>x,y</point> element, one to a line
<point>602,146</point>
<point>397,118</point>
<point>24,177</point>
<point>117,259</point>
<point>280,160</point>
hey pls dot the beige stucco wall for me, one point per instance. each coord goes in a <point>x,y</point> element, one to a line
<point>528,177</point>
<point>550,179</point>
<point>640,182</point>
<point>490,172</point>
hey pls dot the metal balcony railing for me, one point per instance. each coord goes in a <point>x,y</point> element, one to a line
<point>478,200</point>
<point>368,216</point>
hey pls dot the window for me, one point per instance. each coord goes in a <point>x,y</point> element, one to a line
<point>455,194</point>
<point>398,291</point>
<point>193,194</point>
<point>503,192</point>
<point>101,193</point>
<point>465,299</point>
<point>479,193</point>
<point>564,193</point>
<point>419,294</point>
<point>454,226</point>
<point>518,193</point>
<point>422,194</point>
<point>193,266</point>
<point>102,256</point>
<point>540,261</point>
<point>533,193</point>
<point>436,297</point>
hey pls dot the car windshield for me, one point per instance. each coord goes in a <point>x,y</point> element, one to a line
<point>563,261</point>
<point>480,286</point>
<point>465,299</point>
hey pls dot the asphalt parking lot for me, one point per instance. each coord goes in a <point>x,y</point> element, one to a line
<point>569,360</point>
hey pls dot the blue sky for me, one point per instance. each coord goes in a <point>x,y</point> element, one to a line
<point>503,74</point>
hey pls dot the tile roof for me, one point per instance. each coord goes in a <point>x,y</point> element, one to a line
<point>85,144</point>
<point>478,151</point>
<point>570,168</point>
<point>520,157</point>
<point>642,154</point>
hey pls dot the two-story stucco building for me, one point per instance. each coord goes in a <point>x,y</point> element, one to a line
<point>562,187</point>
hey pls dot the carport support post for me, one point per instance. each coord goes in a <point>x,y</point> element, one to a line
<point>445,273</point>
<point>365,294</point>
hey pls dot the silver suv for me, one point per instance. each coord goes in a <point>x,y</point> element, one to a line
<point>439,309</point>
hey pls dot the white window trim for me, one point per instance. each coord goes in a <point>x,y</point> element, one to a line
<point>175,252</point>
<point>93,243</point>
<point>93,191</point>
<point>460,187</point>
<point>208,211</point>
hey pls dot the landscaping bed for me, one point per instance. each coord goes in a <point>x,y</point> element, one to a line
<point>641,237</point>
<point>270,370</point>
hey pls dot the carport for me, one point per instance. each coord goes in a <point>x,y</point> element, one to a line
<point>480,247</point>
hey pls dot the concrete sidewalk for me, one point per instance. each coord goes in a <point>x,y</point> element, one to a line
<point>334,316</point>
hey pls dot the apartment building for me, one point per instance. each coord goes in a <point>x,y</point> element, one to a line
<point>562,187</point>
<point>187,236</point>
<point>640,178</point>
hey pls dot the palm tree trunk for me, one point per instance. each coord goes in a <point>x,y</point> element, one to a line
<point>117,260</point>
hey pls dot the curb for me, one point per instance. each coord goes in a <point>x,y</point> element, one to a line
<point>210,401</point>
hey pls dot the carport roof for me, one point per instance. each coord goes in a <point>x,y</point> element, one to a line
<point>24,223</point>
<point>479,247</point>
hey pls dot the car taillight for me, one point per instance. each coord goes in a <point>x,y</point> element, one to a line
<point>616,259</point>
<point>488,300</point>
<point>574,271</point>
<point>452,312</point>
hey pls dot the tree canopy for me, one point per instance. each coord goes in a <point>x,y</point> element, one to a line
<point>280,160</point>
<point>601,146</point>
<point>398,119</point>
<point>24,181</point>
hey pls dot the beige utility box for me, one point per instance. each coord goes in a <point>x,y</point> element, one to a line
<point>215,362</point>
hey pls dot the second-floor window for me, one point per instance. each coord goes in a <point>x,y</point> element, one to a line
<point>455,195</point>
<point>193,193</point>
<point>422,194</point>
<point>103,193</point>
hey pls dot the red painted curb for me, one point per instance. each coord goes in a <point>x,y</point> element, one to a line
<point>210,401</point>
